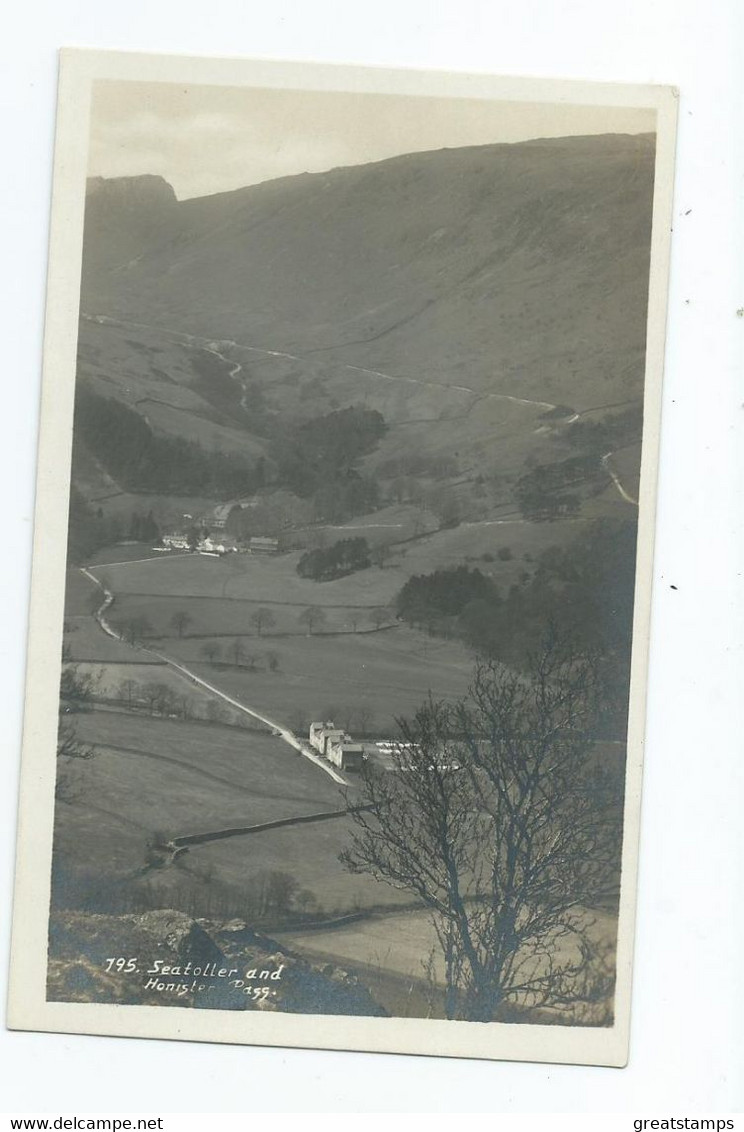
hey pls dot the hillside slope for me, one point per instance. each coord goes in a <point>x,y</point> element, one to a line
<point>520,269</point>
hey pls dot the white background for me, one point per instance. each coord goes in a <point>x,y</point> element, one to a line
<point>688,1001</point>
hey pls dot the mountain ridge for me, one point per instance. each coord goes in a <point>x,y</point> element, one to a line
<point>518,266</point>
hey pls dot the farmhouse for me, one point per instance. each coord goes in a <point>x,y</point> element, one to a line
<point>345,754</point>
<point>321,734</point>
<point>217,544</point>
<point>175,541</point>
<point>336,745</point>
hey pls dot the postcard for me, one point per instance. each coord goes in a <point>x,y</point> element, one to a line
<point>343,558</point>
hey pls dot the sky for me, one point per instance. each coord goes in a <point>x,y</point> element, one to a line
<point>210,139</point>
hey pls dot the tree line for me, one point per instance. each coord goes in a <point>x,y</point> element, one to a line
<point>318,460</point>
<point>313,619</point>
<point>543,493</point>
<point>140,459</point>
<point>89,529</point>
<point>586,587</point>
<point>344,557</point>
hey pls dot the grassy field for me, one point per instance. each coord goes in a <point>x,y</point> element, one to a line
<point>188,777</point>
<point>214,776</point>
<point>135,363</point>
<point>180,779</point>
<point>221,595</point>
<point>83,638</point>
<point>476,430</point>
<point>109,676</point>
<point>398,941</point>
<point>182,421</point>
<point>371,677</point>
<point>82,596</point>
<point>183,778</point>
<point>84,641</point>
<point>263,579</point>
<point>127,552</point>
<point>219,616</point>
<point>401,942</point>
<point>367,678</point>
<point>310,855</point>
<point>394,523</point>
<point>470,542</point>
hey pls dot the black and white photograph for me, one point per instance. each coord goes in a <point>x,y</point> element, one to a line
<point>342,561</point>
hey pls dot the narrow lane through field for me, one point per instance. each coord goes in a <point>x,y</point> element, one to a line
<point>280,730</point>
<point>616,479</point>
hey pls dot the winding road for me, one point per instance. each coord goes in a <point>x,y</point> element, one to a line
<point>616,479</point>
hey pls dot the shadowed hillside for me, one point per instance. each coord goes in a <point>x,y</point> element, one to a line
<point>520,269</point>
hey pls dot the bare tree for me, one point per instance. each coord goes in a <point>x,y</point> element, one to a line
<point>272,891</point>
<point>274,661</point>
<point>180,621</point>
<point>299,721</point>
<point>185,706</point>
<point>77,689</point>
<point>69,744</point>
<point>382,554</point>
<point>159,698</point>
<point>210,651</point>
<point>262,619</point>
<point>136,629</point>
<point>379,616</point>
<point>345,717</point>
<point>127,690</point>
<point>500,819</point>
<point>306,901</point>
<point>216,711</point>
<point>313,617</point>
<point>237,651</point>
<point>70,747</point>
<point>76,695</point>
<point>363,716</point>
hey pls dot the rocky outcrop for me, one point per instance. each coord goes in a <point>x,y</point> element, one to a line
<point>166,958</point>
<point>130,192</point>
<point>124,216</point>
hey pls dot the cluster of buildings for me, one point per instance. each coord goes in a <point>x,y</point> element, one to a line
<point>213,538</point>
<point>336,745</point>
<point>217,542</point>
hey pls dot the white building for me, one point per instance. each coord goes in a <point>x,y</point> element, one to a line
<point>334,744</point>
<point>217,544</point>
<point>175,541</point>
<point>345,754</point>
